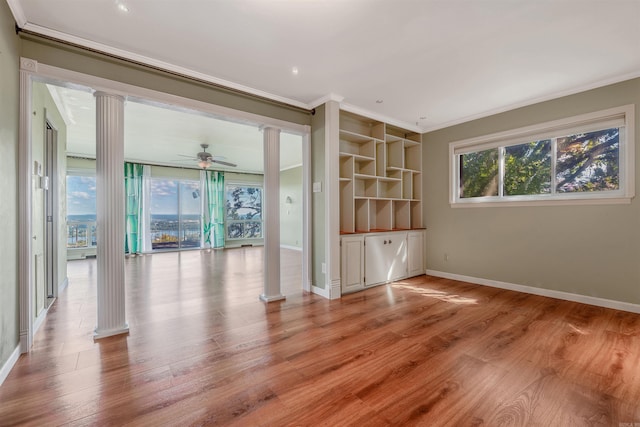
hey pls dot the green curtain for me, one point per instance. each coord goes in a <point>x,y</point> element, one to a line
<point>213,224</point>
<point>133,173</point>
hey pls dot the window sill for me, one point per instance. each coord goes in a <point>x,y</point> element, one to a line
<point>549,202</point>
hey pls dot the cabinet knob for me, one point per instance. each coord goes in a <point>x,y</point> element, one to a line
<point>389,241</point>
<point>385,242</point>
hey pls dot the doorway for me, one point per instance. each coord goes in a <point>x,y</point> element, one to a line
<point>50,187</point>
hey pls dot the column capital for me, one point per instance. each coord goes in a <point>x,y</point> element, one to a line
<point>102,94</point>
<point>270,129</point>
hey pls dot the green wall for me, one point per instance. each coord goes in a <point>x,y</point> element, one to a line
<point>589,250</point>
<point>9,116</point>
<point>291,214</point>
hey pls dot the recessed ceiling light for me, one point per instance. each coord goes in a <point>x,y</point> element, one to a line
<point>294,71</point>
<point>379,101</point>
<point>123,7</point>
<point>423,117</point>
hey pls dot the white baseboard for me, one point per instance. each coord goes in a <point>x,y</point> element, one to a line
<point>63,285</point>
<point>320,291</point>
<point>293,248</point>
<point>9,364</point>
<point>40,320</point>
<point>567,296</point>
<point>336,289</point>
<point>110,332</point>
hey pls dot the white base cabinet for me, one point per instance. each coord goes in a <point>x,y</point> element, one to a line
<point>377,258</point>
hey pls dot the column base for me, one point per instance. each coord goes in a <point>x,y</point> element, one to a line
<point>272,298</point>
<point>110,332</point>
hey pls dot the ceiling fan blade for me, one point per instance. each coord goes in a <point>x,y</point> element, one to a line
<point>223,163</point>
<point>184,155</point>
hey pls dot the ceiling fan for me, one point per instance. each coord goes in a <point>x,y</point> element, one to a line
<point>205,159</point>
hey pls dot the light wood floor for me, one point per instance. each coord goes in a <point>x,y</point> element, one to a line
<point>426,351</point>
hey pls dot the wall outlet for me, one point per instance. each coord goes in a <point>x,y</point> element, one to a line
<point>446,257</point>
<point>324,268</point>
<point>317,187</point>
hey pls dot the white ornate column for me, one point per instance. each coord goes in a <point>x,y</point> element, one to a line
<point>271,211</point>
<point>110,214</point>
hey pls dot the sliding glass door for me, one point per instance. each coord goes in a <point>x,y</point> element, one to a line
<point>175,214</point>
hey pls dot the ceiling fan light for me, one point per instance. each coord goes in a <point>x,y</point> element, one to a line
<point>204,164</point>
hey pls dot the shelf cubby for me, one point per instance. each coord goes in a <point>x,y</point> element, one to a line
<point>362,215</point>
<point>416,214</point>
<point>417,186</point>
<point>413,157</point>
<point>407,185</point>
<point>388,189</point>
<point>402,214</point>
<point>361,125</point>
<point>365,186</point>
<point>346,167</point>
<point>346,207</point>
<point>380,215</point>
<point>395,154</point>
<point>357,145</point>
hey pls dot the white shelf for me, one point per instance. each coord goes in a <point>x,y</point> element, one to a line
<point>380,176</point>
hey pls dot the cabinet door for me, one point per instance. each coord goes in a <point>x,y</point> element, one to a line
<point>415,256</point>
<point>385,258</point>
<point>397,256</point>
<point>352,264</point>
<point>375,262</point>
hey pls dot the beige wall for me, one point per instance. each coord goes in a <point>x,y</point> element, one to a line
<point>291,214</point>
<point>586,250</point>
<point>9,115</point>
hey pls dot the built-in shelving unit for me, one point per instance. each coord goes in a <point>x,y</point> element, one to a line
<point>380,176</point>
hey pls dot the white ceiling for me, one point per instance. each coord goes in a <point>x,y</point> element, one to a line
<point>165,135</point>
<point>446,60</point>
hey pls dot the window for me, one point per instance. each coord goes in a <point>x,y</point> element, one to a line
<point>243,211</point>
<point>81,211</point>
<point>175,214</point>
<point>587,158</point>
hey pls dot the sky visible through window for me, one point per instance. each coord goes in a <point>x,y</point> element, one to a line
<point>81,195</point>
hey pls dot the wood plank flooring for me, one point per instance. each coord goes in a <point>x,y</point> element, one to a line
<point>425,351</point>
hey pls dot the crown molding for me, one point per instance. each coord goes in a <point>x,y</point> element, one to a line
<point>18,12</point>
<point>535,100</point>
<point>125,54</point>
<point>381,117</point>
<point>325,99</point>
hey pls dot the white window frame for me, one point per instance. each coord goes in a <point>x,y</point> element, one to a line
<point>621,117</point>
<point>227,220</point>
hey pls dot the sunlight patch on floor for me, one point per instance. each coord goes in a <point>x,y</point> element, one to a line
<point>440,295</point>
